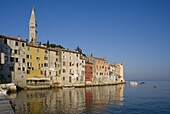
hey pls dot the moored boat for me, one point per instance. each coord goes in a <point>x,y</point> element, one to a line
<point>68,87</point>
<point>133,83</point>
<point>3,91</point>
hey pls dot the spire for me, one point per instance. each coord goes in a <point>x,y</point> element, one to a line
<point>32,18</point>
<point>33,28</point>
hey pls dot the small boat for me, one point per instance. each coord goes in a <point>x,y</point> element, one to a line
<point>142,83</point>
<point>67,87</point>
<point>154,86</point>
<point>133,83</point>
<point>3,91</point>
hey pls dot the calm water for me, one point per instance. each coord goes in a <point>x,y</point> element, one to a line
<point>123,99</point>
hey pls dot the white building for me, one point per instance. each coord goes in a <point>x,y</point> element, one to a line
<point>72,69</point>
<point>13,67</point>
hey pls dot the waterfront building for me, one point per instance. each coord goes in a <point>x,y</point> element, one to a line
<point>88,73</point>
<point>112,74</point>
<point>35,62</point>
<point>119,73</point>
<point>72,69</point>
<point>52,60</point>
<point>13,60</point>
<point>100,70</point>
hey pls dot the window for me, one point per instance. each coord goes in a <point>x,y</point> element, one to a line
<point>45,64</point>
<point>30,56</point>
<point>30,64</point>
<point>70,63</point>
<point>46,51</point>
<point>45,58</point>
<point>37,50</point>
<point>56,73</point>
<point>5,41</point>
<point>77,78</point>
<point>23,44</point>
<point>15,51</point>
<point>19,68</point>
<point>45,73</point>
<point>11,68</point>
<point>64,71</point>
<point>38,58</point>
<point>28,71</point>
<point>63,78</point>
<point>56,52</point>
<point>16,59</point>
<point>56,59</point>
<point>69,79</point>
<point>23,68</point>
<point>23,60</point>
<point>42,65</point>
<point>28,48</point>
<point>63,63</point>
<point>12,59</point>
<point>41,72</point>
<point>10,50</point>
<point>16,43</point>
<point>27,56</point>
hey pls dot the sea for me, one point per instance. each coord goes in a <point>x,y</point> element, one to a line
<point>150,97</point>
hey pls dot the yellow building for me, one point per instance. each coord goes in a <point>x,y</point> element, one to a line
<point>35,62</point>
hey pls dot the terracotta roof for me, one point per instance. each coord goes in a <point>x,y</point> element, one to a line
<point>12,38</point>
<point>69,51</point>
<point>43,47</point>
<point>99,58</point>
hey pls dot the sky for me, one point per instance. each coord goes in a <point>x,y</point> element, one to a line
<point>133,32</point>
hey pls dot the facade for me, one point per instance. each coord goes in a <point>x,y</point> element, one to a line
<point>35,62</point>
<point>72,69</point>
<point>52,60</point>
<point>13,64</point>
<point>100,70</point>
<point>88,73</point>
<point>119,73</point>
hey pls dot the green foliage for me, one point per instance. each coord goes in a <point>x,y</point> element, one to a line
<point>52,45</point>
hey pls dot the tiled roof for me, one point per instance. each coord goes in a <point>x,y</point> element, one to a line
<point>12,38</point>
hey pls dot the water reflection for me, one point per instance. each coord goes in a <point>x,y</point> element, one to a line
<point>78,100</point>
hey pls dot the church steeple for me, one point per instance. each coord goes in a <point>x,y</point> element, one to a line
<point>33,28</point>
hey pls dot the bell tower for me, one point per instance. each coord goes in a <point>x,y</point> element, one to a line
<point>33,29</point>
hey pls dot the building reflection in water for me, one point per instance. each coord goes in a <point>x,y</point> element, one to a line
<point>78,100</point>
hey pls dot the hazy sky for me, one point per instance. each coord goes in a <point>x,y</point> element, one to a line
<point>133,32</point>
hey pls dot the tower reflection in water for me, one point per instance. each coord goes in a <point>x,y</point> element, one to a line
<point>78,100</point>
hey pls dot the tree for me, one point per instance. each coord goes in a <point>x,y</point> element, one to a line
<point>53,45</point>
<point>79,50</point>
<point>48,43</point>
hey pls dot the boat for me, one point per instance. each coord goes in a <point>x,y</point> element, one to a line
<point>133,83</point>
<point>3,91</point>
<point>142,83</point>
<point>68,87</point>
